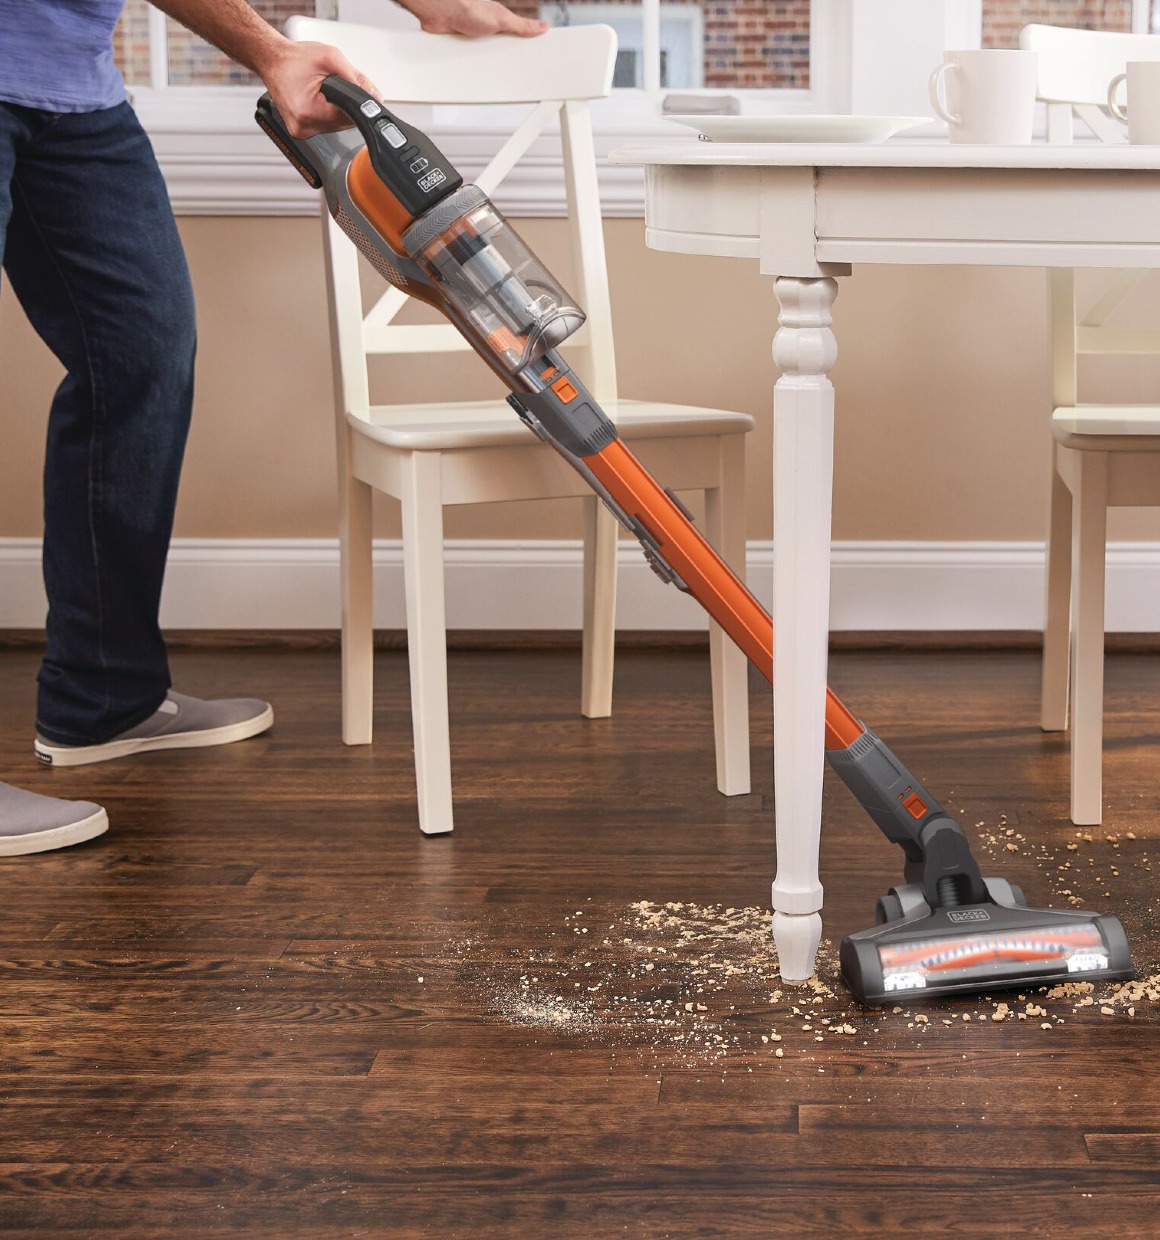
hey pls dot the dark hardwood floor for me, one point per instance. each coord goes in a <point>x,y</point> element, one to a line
<point>264,1006</point>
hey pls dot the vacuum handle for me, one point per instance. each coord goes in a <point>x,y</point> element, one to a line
<point>408,163</point>
<point>270,119</point>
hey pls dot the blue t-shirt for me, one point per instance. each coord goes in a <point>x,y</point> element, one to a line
<point>58,54</point>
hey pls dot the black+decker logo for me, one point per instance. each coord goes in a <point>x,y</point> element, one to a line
<point>968,914</point>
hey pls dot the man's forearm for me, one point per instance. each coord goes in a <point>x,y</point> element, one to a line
<point>233,26</point>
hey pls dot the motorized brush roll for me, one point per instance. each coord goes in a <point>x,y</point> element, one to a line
<point>996,944</point>
<point>487,271</point>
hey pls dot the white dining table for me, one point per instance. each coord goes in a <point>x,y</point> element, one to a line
<point>806,213</point>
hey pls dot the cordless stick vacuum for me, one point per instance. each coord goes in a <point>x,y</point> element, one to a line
<point>947,929</point>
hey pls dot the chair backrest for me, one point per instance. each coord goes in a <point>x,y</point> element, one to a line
<point>1075,69</point>
<point>557,73</point>
<point>1092,331</point>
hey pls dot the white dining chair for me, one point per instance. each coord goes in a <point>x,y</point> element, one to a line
<point>451,451</point>
<point>1103,455</point>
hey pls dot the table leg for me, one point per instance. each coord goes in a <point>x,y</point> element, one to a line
<point>803,458</point>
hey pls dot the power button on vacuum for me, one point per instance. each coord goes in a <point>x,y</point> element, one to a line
<point>393,134</point>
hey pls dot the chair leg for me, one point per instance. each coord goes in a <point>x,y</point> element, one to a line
<point>1089,547</point>
<point>599,637</point>
<point>1056,636</point>
<point>729,668</point>
<point>357,587</point>
<point>422,510</point>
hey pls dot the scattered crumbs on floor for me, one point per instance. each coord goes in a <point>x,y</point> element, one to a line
<point>691,984</point>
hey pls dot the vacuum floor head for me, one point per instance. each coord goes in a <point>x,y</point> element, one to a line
<point>994,945</point>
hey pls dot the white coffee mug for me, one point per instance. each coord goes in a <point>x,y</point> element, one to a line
<point>1142,115</point>
<point>990,95</point>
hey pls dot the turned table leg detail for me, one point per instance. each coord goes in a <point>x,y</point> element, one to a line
<point>805,350</point>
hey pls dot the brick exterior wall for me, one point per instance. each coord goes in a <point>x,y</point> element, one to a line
<point>749,44</point>
<point>755,44</point>
<point>1003,19</point>
<point>192,62</point>
<point>131,43</point>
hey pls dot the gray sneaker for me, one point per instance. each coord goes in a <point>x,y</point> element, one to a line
<point>180,722</point>
<point>30,823</point>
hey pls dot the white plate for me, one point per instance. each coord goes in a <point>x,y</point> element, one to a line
<point>805,128</point>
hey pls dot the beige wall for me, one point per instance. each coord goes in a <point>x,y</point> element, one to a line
<point>942,383</point>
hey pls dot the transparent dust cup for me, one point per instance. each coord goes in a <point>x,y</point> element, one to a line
<point>491,277</point>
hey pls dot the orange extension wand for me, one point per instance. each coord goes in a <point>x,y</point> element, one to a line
<point>946,929</point>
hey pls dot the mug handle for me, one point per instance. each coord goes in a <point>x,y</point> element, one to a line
<point>1113,106</point>
<point>936,99</point>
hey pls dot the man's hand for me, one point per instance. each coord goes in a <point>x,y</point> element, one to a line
<point>474,18</point>
<point>294,79</point>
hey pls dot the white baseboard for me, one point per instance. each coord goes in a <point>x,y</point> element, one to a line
<point>888,586</point>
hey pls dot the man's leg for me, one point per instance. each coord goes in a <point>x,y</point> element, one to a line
<point>30,823</point>
<point>94,257</point>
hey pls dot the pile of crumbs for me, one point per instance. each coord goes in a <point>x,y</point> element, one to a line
<point>699,985</point>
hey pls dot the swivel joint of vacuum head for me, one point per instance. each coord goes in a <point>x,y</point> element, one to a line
<point>938,857</point>
<point>945,870</point>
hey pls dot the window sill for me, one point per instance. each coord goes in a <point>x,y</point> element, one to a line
<point>217,162</point>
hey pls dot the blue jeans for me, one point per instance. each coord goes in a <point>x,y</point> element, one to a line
<point>91,250</point>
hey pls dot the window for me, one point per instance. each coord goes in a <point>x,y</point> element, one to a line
<point>718,44</point>
<point>680,33</point>
<point>869,56</point>
<point>198,107</point>
<point>715,44</point>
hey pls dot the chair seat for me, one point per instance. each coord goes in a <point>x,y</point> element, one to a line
<point>1106,428</point>
<point>493,424</point>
